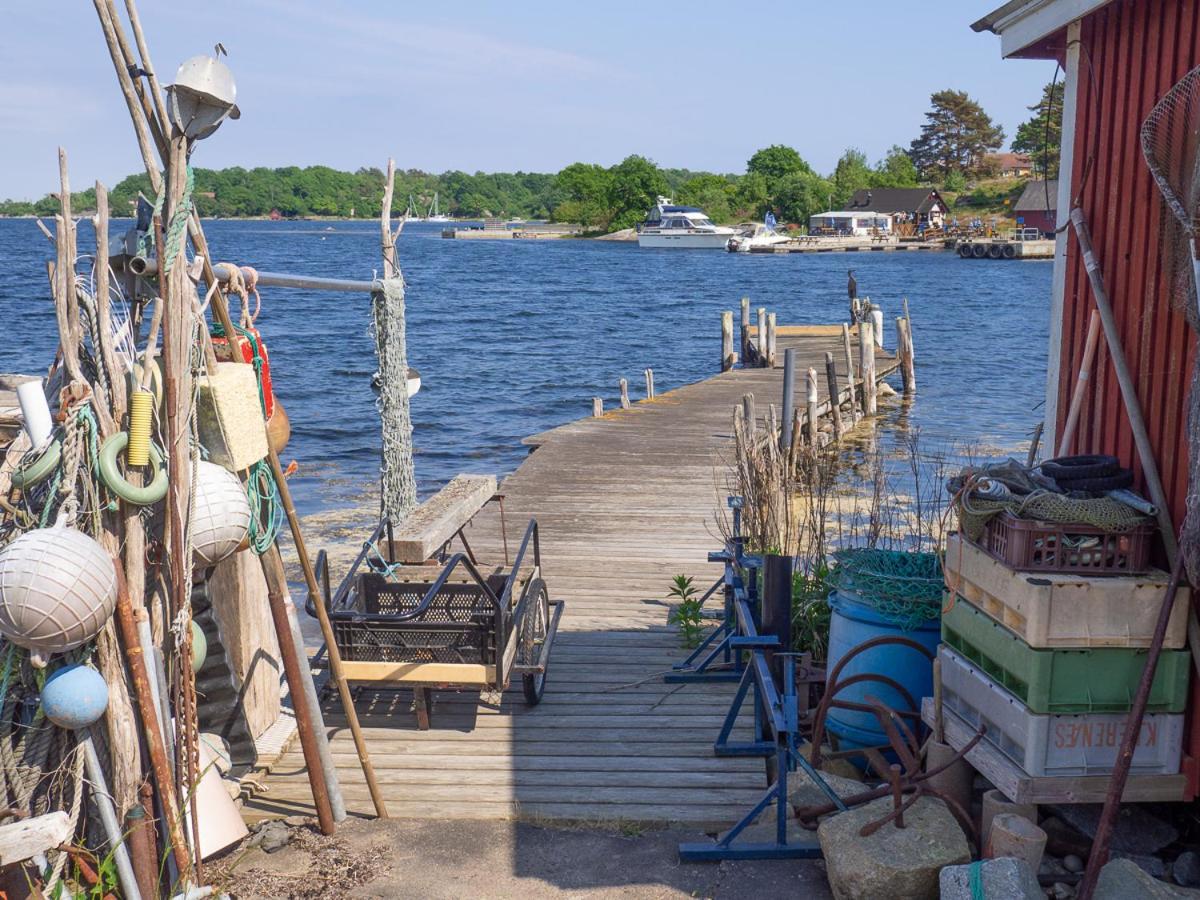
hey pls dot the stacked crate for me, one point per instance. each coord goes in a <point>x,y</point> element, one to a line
<point>1050,661</point>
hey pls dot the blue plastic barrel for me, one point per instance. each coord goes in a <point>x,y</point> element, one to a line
<point>855,621</point>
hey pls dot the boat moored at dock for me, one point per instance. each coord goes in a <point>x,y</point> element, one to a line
<point>669,226</point>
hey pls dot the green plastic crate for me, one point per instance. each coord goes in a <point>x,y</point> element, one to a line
<point>1092,680</point>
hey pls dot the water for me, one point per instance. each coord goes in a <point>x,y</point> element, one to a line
<point>514,337</point>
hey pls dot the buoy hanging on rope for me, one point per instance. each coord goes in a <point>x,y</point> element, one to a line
<point>75,696</point>
<point>57,589</point>
<point>221,518</point>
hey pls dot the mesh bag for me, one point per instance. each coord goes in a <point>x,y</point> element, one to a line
<point>904,588</point>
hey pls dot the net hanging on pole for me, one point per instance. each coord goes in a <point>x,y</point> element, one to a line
<point>398,482</point>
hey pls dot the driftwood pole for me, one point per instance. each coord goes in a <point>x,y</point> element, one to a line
<point>624,386</point>
<point>726,341</point>
<point>745,333</point>
<point>835,403</point>
<point>846,348</point>
<point>771,336</point>
<point>762,336</point>
<point>597,407</point>
<point>649,373</point>
<point>866,356</point>
<point>813,398</point>
<point>788,403</point>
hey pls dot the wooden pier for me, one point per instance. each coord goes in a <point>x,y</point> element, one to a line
<point>846,245</point>
<point>625,501</point>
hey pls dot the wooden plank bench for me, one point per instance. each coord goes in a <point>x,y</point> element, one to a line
<point>436,521</point>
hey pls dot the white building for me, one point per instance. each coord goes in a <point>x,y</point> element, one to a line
<point>857,224</point>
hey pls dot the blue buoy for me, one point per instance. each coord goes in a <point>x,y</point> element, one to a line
<point>855,621</point>
<point>75,696</point>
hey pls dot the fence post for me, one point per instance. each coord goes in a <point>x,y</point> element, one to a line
<point>771,358</point>
<point>649,373</point>
<point>835,403</point>
<point>726,341</point>
<point>624,394</point>
<point>762,336</point>
<point>789,398</point>
<point>747,356</point>
<point>748,415</point>
<point>597,407</point>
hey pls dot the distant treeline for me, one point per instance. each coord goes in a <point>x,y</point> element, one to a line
<point>952,147</point>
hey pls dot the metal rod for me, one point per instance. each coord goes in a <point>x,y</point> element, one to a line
<point>140,265</point>
<point>108,818</point>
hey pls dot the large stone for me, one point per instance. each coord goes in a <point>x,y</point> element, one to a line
<point>1121,879</point>
<point>892,862</point>
<point>1136,831</point>
<point>1006,877</point>
<point>1186,869</point>
<point>803,791</point>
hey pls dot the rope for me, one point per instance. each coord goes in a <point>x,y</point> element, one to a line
<point>905,588</point>
<point>975,879</point>
<point>175,228</point>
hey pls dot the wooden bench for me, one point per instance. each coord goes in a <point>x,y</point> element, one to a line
<point>436,521</point>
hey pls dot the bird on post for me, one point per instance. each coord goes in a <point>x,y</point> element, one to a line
<point>851,285</point>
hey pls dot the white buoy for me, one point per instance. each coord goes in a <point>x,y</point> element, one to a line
<point>221,517</point>
<point>58,588</point>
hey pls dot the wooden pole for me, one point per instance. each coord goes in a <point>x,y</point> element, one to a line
<point>814,417</point>
<point>747,346</point>
<point>748,415</point>
<point>649,373</point>
<point>849,373</point>
<point>597,407</point>
<point>624,394</point>
<point>726,341</point>
<point>906,367</point>
<point>789,398</point>
<point>762,336</point>
<point>835,405</point>
<point>771,333</point>
<point>1081,380</point>
<point>866,356</point>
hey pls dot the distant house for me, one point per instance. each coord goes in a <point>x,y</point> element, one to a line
<point>908,208</point>
<point>859,224</point>
<point>1035,208</point>
<point>1010,165</point>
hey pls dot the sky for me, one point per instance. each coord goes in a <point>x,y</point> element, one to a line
<point>503,86</point>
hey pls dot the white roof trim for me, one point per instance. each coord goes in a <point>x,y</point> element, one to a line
<point>1024,22</point>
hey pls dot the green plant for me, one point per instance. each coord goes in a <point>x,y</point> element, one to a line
<point>810,610</point>
<point>686,613</point>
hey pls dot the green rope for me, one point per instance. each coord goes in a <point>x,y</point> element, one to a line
<point>177,225</point>
<point>905,588</point>
<point>975,876</point>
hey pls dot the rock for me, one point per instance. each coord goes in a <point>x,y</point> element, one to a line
<point>1136,830</point>
<point>1186,869</point>
<point>1151,865</point>
<point>891,862</point>
<point>1072,863</point>
<point>1122,879</point>
<point>803,791</point>
<point>298,821</point>
<point>1051,867</point>
<point>1005,877</point>
<point>270,836</point>
<point>1062,891</point>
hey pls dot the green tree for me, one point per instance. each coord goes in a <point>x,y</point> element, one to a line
<point>896,170</point>
<point>851,174</point>
<point>1040,137</point>
<point>584,191</point>
<point>712,193</point>
<point>635,187</point>
<point>751,198</point>
<point>775,163</point>
<point>801,195</point>
<point>957,134</point>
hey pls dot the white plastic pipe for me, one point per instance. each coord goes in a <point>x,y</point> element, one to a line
<point>35,412</point>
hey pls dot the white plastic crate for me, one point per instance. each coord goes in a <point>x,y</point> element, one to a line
<point>1048,610</point>
<point>1055,745</point>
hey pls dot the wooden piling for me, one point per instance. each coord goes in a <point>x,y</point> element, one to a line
<point>649,373</point>
<point>624,394</point>
<point>813,397</point>
<point>747,346</point>
<point>597,407</point>
<point>762,336</point>
<point>835,408</point>
<point>771,333</point>
<point>866,351</point>
<point>789,398</point>
<point>850,373</point>
<point>726,341</point>
<point>748,415</point>
<point>904,351</point>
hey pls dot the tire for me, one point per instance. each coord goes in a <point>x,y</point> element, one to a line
<point>995,251</point>
<point>1070,468</point>
<point>979,251</point>
<point>1010,252</point>
<point>1122,478</point>
<point>964,250</point>
<point>533,635</point>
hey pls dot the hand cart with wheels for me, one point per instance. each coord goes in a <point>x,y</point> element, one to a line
<point>461,630</point>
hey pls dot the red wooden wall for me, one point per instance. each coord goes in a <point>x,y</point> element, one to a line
<point>1132,52</point>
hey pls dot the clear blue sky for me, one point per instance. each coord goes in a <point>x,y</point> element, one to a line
<point>501,86</point>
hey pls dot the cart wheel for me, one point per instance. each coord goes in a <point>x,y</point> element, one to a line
<point>533,636</point>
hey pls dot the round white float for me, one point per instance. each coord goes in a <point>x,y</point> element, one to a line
<point>221,517</point>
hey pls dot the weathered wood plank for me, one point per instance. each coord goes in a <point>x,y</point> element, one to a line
<point>436,520</point>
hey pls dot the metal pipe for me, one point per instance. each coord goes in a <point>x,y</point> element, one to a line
<point>108,818</point>
<point>140,265</point>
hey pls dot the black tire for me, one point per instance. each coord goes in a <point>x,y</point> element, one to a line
<point>1010,252</point>
<point>995,251</point>
<point>1070,468</point>
<point>964,250</point>
<point>533,635</point>
<point>1122,478</point>
<point>979,251</point>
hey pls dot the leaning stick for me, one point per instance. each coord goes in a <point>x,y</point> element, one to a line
<point>125,81</point>
<point>135,25</point>
<point>1085,368</point>
<point>108,355</point>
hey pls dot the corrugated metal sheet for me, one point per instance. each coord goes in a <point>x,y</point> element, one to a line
<point>1132,52</point>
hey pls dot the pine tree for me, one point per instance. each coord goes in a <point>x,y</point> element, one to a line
<point>956,136</point>
<point>1040,137</point>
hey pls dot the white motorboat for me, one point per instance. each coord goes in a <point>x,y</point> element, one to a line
<point>753,236</point>
<point>681,228</point>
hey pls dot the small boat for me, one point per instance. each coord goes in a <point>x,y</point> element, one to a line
<point>434,214</point>
<point>410,214</point>
<point>668,226</point>
<point>755,235</point>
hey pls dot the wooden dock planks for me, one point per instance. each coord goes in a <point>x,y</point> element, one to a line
<point>624,502</point>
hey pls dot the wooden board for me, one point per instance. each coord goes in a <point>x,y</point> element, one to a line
<point>438,519</point>
<point>624,503</point>
<point>28,837</point>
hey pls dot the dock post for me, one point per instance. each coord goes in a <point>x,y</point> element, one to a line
<point>904,351</point>
<point>726,341</point>
<point>814,416</point>
<point>866,355</point>
<point>748,415</point>
<point>649,373</point>
<point>745,335</point>
<point>624,394</point>
<point>597,407</point>
<point>771,332</point>
<point>762,336</point>
<point>835,405</point>
<point>777,609</point>
<point>789,397</point>
<point>850,373</point>
<point>877,324</point>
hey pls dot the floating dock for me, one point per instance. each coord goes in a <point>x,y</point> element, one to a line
<point>846,245</point>
<point>503,233</point>
<point>1003,248</point>
<point>625,501</point>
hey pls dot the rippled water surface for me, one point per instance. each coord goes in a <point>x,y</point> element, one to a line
<point>514,337</point>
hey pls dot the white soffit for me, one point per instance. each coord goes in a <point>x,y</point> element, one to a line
<point>1021,23</point>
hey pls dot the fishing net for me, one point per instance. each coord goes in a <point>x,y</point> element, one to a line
<point>904,588</point>
<point>1171,145</point>
<point>398,481</point>
<point>1101,512</point>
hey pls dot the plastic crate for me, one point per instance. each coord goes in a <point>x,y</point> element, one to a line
<point>1056,744</point>
<point>1033,545</point>
<point>1063,681</point>
<point>1077,610</point>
